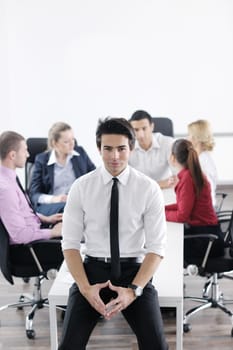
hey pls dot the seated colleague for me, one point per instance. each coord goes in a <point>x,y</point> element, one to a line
<point>193,204</point>
<point>98,290</point>
<point>21,222</point>
<point>55,170</point>
<point>152,150</point>
<point>200,134</point>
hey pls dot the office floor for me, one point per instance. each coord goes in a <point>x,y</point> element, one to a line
<point>210,328</point>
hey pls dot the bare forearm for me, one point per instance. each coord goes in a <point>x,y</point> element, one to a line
<point>75,265</point>
<point>147,269</point>
<point>90,292</point>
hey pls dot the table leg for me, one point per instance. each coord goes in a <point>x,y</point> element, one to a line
<point>179,326</point>
<point>53,325</point>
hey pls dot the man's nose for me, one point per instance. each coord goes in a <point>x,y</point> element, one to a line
<point>140,134</point>
<point>115,154</point>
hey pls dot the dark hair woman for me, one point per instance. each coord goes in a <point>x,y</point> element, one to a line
<point>193,204</point>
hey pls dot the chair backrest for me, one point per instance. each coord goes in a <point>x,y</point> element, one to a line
<point>231,235</point>
<point>35,146</point>
<point>5,254</point>
<point>220,197</point>
<point>163,125</point>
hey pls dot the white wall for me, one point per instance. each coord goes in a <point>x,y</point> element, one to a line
<point>79,60</point>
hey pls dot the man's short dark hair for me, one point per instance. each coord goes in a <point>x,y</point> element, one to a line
<point>140,114</point>
<point>119,126</point>
<point>9,141</point>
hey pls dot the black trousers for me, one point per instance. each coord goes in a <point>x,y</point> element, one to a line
<point>143,315</point>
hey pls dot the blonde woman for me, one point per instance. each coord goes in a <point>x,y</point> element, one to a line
<point>201,136</point>
<point>56,169</point>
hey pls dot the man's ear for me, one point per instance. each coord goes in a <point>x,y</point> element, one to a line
<point>152,126</point>
<point>12,155</point>
<point>172,159</point>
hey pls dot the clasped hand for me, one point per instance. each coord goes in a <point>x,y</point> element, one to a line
<point>125,297</point>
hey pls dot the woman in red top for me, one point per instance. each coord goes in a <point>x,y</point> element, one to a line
<point>193,204</point>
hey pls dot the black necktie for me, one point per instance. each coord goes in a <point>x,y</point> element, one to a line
<point>114,238</point>
<point>25,195</point>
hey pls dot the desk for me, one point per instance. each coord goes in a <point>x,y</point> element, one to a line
<point>168,281</point>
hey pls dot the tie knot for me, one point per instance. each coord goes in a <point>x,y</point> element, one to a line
<point>115,180</point>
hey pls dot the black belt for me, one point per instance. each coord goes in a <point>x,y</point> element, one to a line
<point>89,258</point>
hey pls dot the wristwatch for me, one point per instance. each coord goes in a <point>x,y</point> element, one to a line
<point>136,289</point>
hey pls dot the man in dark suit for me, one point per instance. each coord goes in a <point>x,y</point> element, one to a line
<point>55,170</point>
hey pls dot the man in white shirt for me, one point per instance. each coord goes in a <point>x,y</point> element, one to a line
<point>152,150</point>
<point>142,238</point>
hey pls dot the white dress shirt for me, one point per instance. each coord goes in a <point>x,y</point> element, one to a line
<point>209,169</point>
<point>153,162</point>
<point>142,224</point>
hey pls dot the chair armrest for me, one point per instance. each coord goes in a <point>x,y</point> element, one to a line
<point>44,241</point>
<point>39,241</point>
<point>222,194</point>
<point>31,245</point>
<point>224,213</point>
<point>211,238</point>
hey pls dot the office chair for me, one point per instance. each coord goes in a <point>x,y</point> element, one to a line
<point>163,125</point>
<point>213,268</point>
<point>24,260</point>
<point>220,196</point>
<point>35,146</point>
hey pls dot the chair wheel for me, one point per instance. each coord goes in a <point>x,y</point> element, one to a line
<point>21,300</point>
<point>187,327</point>
<point>30,333</point>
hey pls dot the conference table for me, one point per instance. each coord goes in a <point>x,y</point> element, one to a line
<point>168,280</point>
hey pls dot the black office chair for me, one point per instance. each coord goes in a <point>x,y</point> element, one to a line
<point>213,268</point>
<point>24,260</point>
<point>163,125</point>
<point>220,197</point>
<point>35,146</point>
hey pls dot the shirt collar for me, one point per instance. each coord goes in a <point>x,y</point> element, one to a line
<point>122,177</point>
<point>53,159</point>
<point>11,173</point>
<point>155,144</point>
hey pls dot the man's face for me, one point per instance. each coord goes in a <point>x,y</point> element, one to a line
<point>143,131</point>
<point>21,155</point>
<point>115,152</point>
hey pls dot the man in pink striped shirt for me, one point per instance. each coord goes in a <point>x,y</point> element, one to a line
<point>21,222</point>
